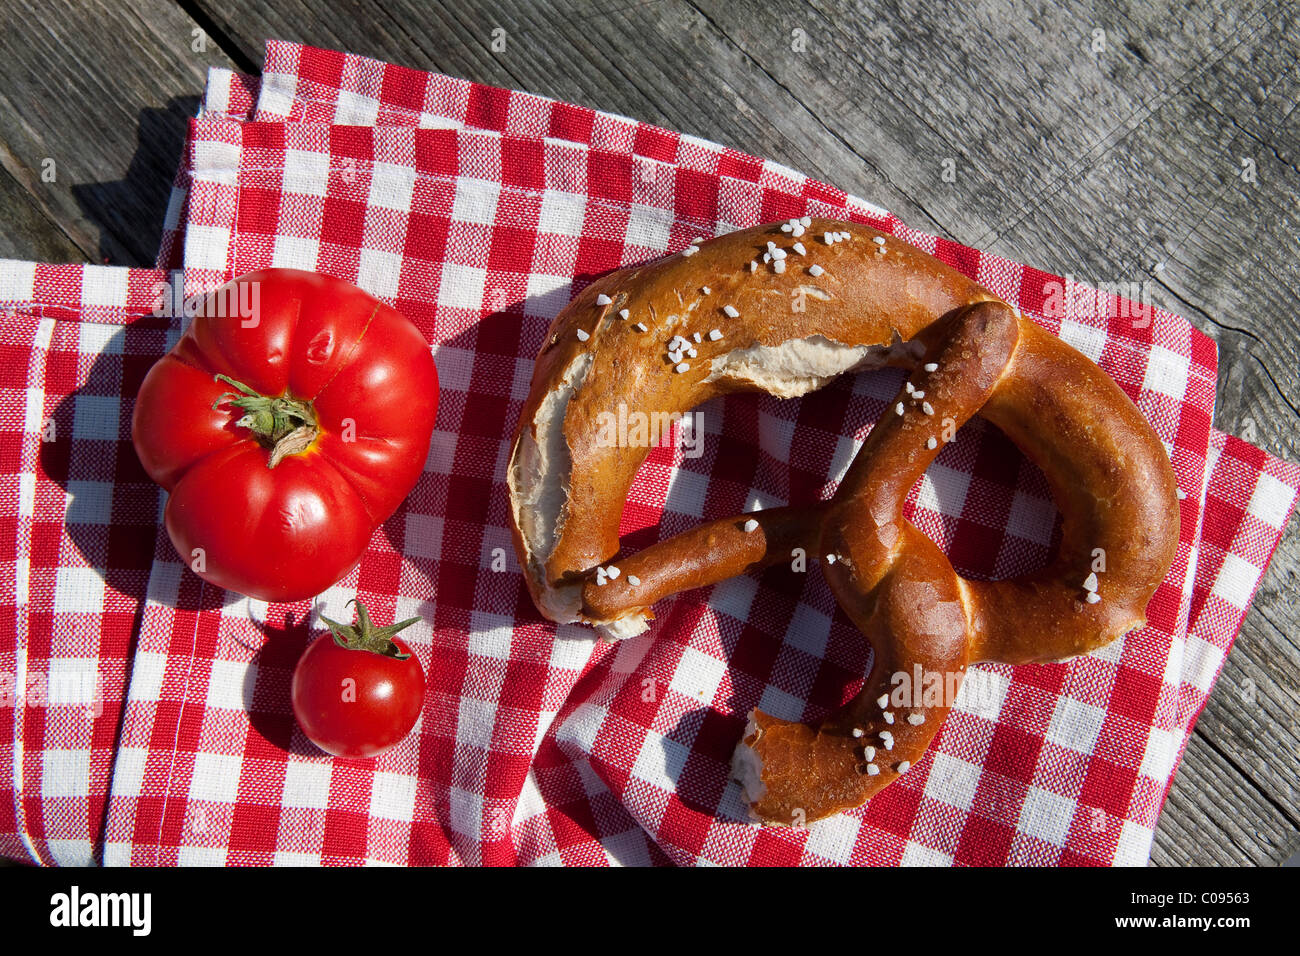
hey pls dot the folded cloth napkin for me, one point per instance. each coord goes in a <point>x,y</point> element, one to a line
<point>77,341</point>
<point>536,745</point>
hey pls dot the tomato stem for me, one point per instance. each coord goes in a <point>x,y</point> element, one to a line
<point>364,636</point>
<point>286,425</point>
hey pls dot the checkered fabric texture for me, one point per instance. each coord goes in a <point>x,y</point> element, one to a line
<point>82,519</point>
<point>536,744</point>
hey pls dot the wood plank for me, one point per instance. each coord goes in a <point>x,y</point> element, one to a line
<point>105,91</point>
<point>28,232</point>
<point>1213,817</point>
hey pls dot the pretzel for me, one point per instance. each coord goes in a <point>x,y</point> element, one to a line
<point>785,309</point>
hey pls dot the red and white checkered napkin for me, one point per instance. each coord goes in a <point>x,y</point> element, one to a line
<point>536,745</point>
<point>80,518</point>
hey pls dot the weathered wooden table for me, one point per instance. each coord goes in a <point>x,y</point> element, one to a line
<point>1118,142</point>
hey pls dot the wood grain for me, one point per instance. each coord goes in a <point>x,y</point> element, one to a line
<point>104,89</point>
<point>1114,156</point>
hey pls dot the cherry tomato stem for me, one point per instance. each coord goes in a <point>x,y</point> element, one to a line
<point>364,636</point>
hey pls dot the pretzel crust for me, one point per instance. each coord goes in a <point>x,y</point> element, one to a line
<point>875,301</point>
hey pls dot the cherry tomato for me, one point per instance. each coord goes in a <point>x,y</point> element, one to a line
<point>289,421</point>
<point>358,690</point>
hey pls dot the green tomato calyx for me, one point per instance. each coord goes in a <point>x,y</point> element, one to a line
<point>287,426</point>
<point>364,636</point>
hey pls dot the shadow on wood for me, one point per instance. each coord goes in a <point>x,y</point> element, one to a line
<point>129,212</point>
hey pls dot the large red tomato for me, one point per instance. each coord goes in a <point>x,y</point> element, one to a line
<point>291,419</point>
